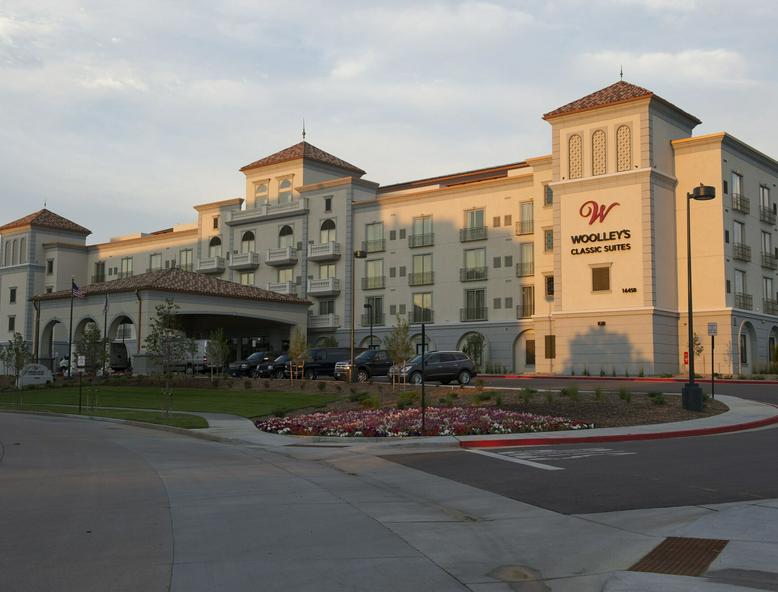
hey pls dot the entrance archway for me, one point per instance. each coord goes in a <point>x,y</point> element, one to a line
<point>416,341</point>
<point>772,349</point>
<point>476,346</point>
<point>524,352</point>
<point>122,342</point>
<point>746,348</point>
<point>376,344</point>
<point>53,345</point>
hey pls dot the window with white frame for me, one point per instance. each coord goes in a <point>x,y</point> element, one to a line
<point>247,242</point>
<point>284,191</point>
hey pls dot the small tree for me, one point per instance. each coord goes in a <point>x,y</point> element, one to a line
<point>328,341</point>
<point>298,351</point>
<point>91,345</point>
<point>698,348</point>
<point>167,345</point>
<point>217,349</point>
<point>398,343</point>
<point>17,355</point>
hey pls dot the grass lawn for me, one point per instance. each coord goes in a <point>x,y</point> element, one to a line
<point>244,403</point>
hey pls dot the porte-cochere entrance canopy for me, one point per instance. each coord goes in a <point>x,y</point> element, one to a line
<point>124,308</point>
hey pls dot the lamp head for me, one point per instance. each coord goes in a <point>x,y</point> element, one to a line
<point>703,192</point>
<point>360,254</point>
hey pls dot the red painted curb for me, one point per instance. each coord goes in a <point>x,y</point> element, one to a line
<point>625,378</point>
<point>505,442</point>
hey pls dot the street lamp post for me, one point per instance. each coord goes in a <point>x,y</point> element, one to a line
<point>691,395</point>
<point>357,255</point>
<point>369,308</point>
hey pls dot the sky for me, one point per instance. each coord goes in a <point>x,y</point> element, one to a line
<point>123,115</point>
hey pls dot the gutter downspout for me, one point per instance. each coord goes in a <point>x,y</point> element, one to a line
<point>138,328</point>
<point>35,350</point>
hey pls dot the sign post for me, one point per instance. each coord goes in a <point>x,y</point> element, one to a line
<point>423,401</point>
<point>80,363</point>
<point>712,331</point>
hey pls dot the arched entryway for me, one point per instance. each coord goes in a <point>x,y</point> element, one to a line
<point>745,363</point>
<point>416,341</point>
<point>476,346</point>
<point>122,342</point>
<point>524,352</point>
<point>53,344</point>
<point>366,343</point>
<point>772,349</point>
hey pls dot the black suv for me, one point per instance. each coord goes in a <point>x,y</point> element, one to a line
<point>321,361</point>
<point>272,368</point>
<point>248,366</point>
<point>441,366</point>
<point>373,362</point>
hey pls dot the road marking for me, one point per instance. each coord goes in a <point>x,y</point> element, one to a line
<point>511,458</point>
<point>552,454</point>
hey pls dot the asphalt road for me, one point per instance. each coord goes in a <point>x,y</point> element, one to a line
<point>618,476</point>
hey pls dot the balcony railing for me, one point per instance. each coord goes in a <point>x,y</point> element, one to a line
<point>123,274</point>
<point>324,287</point>
<point>421,240</point>
<point>281,257</point>
<point>525,310</point>
<point>98,279</point>
<point>769,261</point>
<point>766,215</point>
<point>741,251</point>
<point>473,314</point>
<point>422,278</point>
<point>473,274</point>
<point>525,226</point>
<point>325,321</point>
<point>288,288</point>
<point>744,301</point>
<point>421,315</point>
<point>378,319</point>
<point>186,267</point>
<point>374,283</point>
<point>473,233</point>
<point>329,251</point>
<point>525,268</point>
<point>374,246</point>
<point>211,265</point>
<point>770,306</point>
<point>266,210</point>
<point>249,260</point>
<point>740,203</point>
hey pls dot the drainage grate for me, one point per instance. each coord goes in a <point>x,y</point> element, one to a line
<point>681,556</point>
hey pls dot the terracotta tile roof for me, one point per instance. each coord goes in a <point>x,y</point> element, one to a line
<point>177,280</point>
<point>484,174</point>
<point>620,92</point>
<point>47,219</point>
<point>305,151</point>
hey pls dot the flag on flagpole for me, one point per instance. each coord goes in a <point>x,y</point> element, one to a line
<point>76,292</point>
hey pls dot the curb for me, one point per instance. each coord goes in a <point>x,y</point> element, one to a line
<point>624,378</point>
<point>506,442</point>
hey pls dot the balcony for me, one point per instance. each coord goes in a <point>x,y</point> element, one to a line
<point>740,203</point>
<point>770,306</point>
<point>421,315</point>
<point>374,283</point>
<point>98,279</point>
<point>421,240</point>
<point>324,287</point>
<point>211,265</point>
<point>125,274</point>
<point>378,319</point>
<point>525,310</point>
<point>769,261</point>
<point>525,268</point>
<point>473,274</point>
<point>525,227</point>
<point>324,251</point>
<point>288,288</point>
<point>767,215</point>
<point>423,278</point>
<point>267,211</point>
<point>744,301</point>
<point>473,314</point>
<point>242,261</point>
<point>474,233</point>
<point>325,321</point>
<point>283,257</point>
<point>741,252</point>
<point>374,246</point>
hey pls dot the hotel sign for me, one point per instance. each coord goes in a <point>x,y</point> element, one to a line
<point>596,212</point>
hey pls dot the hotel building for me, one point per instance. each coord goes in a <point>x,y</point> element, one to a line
<point>574,261</point>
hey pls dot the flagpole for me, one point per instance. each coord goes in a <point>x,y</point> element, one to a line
<point>70,329</point>
<point>106,353</point>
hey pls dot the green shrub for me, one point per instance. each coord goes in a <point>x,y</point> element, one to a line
<point>598,395</point>
<point>625,395</point>
<point>657,398</point>
<point>406,400</point>
<point>370,402</point>
<point>484,396</point>
<point>266,384</point>
<point>498,399</point>
<point>247,384</point>
<point>526,395</point>
<point>640,373</point>
<point>571,392</point>
<point>358,397</point>
<point>452,398</point>
<point>549,397</point>
<point>321,385</point>
<point>279,412</point>
<point>757,377</point>
<point>602,372</point>
<point>613,372</point>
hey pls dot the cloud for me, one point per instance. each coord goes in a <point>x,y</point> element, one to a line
<point>348,68</point>
<point>108,82</point>
<point>662,5</point>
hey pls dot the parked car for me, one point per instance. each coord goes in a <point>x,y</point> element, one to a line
<point>373,362</point>
<point>441,366</point>
<point>272,368</point>
<point>248,366</point>
<point>321,361</point>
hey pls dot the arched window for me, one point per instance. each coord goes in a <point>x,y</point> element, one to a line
<point>623,148</point>
<point>286,236</point>
<point>284,191</point>
<point>15,255</point>
<point>575,156</point>
<point>247,243</point>
<point>598,153</point>
<point>260,192</point>
<point>7,247</point>
<point>327,233</point>
<point>215,247</point>
<point>23,251</point>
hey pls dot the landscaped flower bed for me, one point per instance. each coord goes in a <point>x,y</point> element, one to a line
<point>440,421</point>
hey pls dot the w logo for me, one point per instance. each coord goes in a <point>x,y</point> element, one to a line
<point>596,212</point>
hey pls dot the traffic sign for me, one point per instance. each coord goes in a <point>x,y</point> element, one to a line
<point>713,328</point>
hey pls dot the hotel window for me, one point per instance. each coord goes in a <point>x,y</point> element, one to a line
<point>285,275</point>
<point>374,237</point>
<point>766,209</point>
<point>12,296</point>
<point>527,306</point>
<point>601,279</point>
<point>327,232</point>
<point>12,323</point>
<point>548,239</point>
<point>474,265</point>
<point>99,272</point>
<point>598,153</point>
<point>474,219</point>
<point>575,156</point>
<point>421,270</point>
<point>526,264</point>
<point>550,346</point>
<point>155,262</point>
<point>740,290</point>
<point>285,237</point>
<point>284,191</point>
<point>421,233</point>
<point>422,308</point>
<point>215,247</point>
<point>126,267</point>
<point>764,197</point>
<point>215,223</point>
<point>526,218</point>
<point>767,289</point>
<point>623,148</point>
<point>326,271</point>
<point>475,305</point>
<point>548,196</point>
<point>374,274</point>
<point>326,307</point>
<point>49,266</point>
<point>248,242</point>
<point>247,278</point>
<point>185,259</point>
<point>328,203</point>
<point>549,281</point>
<point>767,243</point>
<point>260,192</point>
<point>374,313</point>
<point>737,184</point>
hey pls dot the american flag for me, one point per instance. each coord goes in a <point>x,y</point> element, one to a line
<point>76,292</point>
